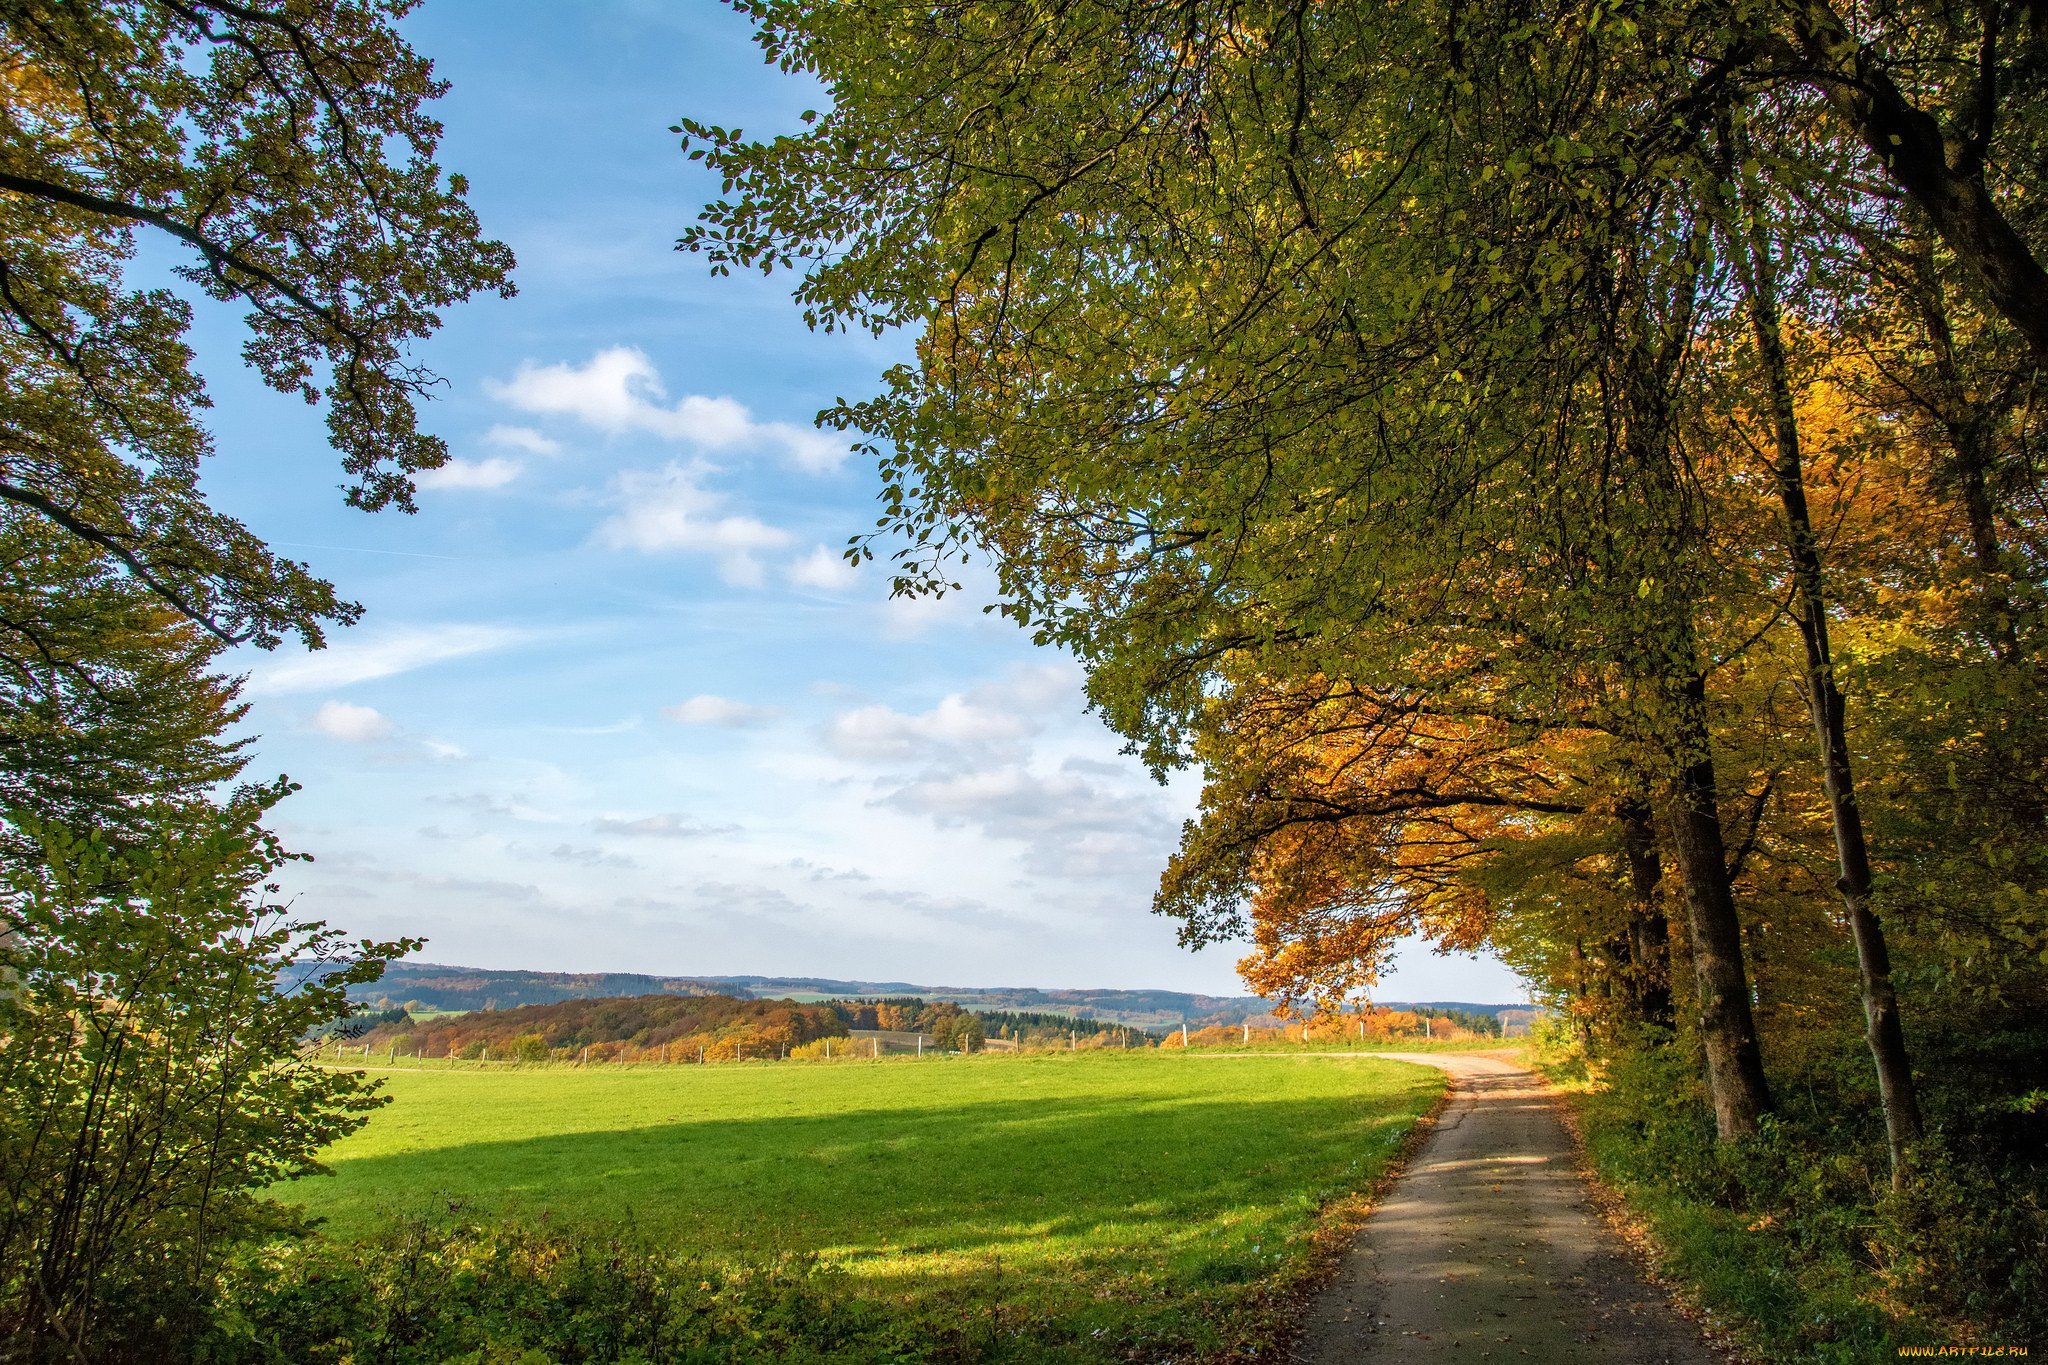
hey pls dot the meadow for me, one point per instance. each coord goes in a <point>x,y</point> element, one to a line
<point>1085,1201</point>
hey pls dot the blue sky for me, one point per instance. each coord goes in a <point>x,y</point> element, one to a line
<point>616,703</point>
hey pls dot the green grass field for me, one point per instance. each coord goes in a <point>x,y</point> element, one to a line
<point>1102,1192</point>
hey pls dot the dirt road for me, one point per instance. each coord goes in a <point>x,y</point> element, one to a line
<point>1487,1249</point>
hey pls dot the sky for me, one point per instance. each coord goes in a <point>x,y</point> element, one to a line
<point>616,702</point>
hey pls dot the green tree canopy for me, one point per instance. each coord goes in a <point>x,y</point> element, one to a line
<point>286,151</point>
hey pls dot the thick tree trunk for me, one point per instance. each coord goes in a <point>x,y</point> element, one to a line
<point>1649,933</point>
<point>1824,699</point>
<point>1943,175</point>
<point>1647,348</point>
<point>1735,1068</point>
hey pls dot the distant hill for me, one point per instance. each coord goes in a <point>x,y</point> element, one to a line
<point>616,1028</point>
<point>475,988</point>
<point>478,988</point>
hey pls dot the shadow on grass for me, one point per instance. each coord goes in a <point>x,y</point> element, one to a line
<point>1024,1180</point>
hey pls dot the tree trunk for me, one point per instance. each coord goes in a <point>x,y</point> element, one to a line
<point>1647,351</point>
<point>1735,1067</point>
<point>1968,426</point>
<point>1886,1037</point>
<point>1649,933</point>
<point>1944,177</point>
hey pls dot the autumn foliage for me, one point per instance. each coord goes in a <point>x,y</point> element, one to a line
<point>1568,477</point>
<point>621,1029</point>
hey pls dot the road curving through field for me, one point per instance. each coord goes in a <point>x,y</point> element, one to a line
<point>1487,1249</point>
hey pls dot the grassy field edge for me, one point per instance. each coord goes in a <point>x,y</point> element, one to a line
<point>1188,1285</point>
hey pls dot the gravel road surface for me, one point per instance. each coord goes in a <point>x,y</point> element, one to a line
<point>1487,1249</point>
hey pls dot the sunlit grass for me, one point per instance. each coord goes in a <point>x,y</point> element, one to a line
<point>1085,1188</point>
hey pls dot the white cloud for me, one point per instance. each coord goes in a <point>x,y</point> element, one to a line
<point>909,618</point>
<point>1071,826</point>
<point>879,733</point>
<point>523,438</point>
<point>823,570</point>
<point>618,390</point>
<point>671,510</point>
<point>720,711</point>
<point>351,724</point>
<point>993,715</point>
<point>494,472</point>
<point>362,658</point>
<point>659,827</point>
<point>442,750</point>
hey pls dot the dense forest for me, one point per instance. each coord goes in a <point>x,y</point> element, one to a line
<point>1569,479</point>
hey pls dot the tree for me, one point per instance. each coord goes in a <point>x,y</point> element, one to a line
<point>153,1075</point>
<point>107,708</point>
<point>287,151</point>
<point>1231,361</point>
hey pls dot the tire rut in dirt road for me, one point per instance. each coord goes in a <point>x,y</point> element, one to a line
<point>1487,1249</point>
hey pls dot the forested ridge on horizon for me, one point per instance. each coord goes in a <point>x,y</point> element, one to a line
<point>443,987</point>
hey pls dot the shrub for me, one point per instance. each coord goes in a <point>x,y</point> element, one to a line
<point>424,1295</point>
<point>153,1076</point>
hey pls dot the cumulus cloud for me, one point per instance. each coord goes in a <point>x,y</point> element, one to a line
<point>351,724</point>
<point>670,510</point>
<point>822,569</point>
<point>1071,825</point>
<point>494,472</point>
<point>523,438</point>
<point>618,390</point>
<point>881,734</point>
<point>723,712</point>
<point>383,655</point>
<point>659,827</point>
<point>990,717</point>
